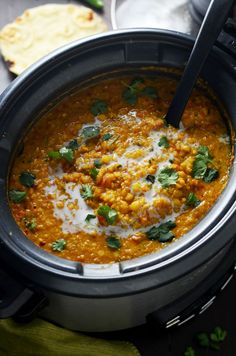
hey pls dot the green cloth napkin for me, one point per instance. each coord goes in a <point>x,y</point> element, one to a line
<point>41,338</point>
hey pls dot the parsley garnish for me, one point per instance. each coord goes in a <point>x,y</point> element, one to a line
<point>16,196</point>
<point>162,232</point>
<point>192,200</point>
<point>107,136</point>
<point>97,163</point>
<point>108,213</point>
<point>86,191</point>
<point>30,224</point>
<point>90,132</point>
<point>59,245</point>
<point>113,242</point>
<point>98,107</point>
<point>89,217</point>
<point>163,142</point>
<point>150,178</point>
<point>27,179</point>
<point>167,176</point>
<point>93,173</point>
<point>200,168</point>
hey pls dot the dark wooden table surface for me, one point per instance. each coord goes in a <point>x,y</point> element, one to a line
<point>149,341</point>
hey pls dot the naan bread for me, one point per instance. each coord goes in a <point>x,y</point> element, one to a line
<point>42,29</point>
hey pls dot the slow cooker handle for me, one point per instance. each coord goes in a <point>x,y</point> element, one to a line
<point>191,304</point>
<point>17,300</point>
<point>227,38</point>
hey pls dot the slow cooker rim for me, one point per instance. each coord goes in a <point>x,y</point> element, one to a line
<point>39,66</point>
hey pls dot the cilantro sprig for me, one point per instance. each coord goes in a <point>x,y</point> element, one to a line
<point>27,179</point>
<point>17,196</point>
<point>59,245</point>
<point>136,89</point>
<point>113,242</point>
<point>200,169</point>
<point>163,142</point>
<point>86,191</point>
<point>108,213</point>
<point>192,200</point>
<point>167,176</point>
<point>162,233</point>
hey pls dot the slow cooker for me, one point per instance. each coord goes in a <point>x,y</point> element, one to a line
<point>167,287</point>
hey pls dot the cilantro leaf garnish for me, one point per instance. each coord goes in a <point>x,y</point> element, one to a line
<point>97,163</point>
<point>64,152</point>
<point>59,245</point>
<point>98,107</point>
<point>93,173</point>
<point>54,155</point>
<point>17,196</point>
<point>150,92</point>
<point>67,154</point>
<point>163,142</point>
<point>130,94</point>
<point>203,340</point>
<point>150,178</point>
<point>162,232</point>
<point>108,213</point>
<point>113,242</point>
<point>167,176</point>
<point>86,191</point>
<point>30,224</point>
<point>27,179</point>
<point>73,144</point>
<point>192,200</point>
<point>189,351</point>
<point>107,136</point>
<point>89,132</point>
<point>200,168</point>
<point>218,334</point>
<point>210,175</point>
<point>89,217</point>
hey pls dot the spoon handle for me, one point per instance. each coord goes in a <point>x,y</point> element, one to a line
<point>215,18</point>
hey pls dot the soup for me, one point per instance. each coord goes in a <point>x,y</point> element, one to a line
<point>102,177</point>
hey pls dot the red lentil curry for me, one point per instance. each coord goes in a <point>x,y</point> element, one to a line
<point>103,178</point>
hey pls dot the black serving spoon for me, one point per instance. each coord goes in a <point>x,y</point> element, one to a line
<point>215,18</point>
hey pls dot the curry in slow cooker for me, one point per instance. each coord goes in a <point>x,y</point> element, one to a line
<point>103,177</point>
